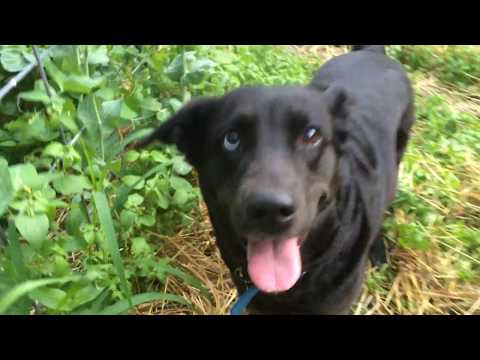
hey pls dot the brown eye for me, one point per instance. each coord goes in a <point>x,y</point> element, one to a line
<point>312,137</point>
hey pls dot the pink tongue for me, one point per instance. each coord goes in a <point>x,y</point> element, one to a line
<point>274,266</point>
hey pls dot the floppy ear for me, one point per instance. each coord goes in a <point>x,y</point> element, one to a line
<point>186,128</point>
<point>337,100</point>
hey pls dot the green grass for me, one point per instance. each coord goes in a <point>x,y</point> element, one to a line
<point>93,202</point>
<point>455,65</point>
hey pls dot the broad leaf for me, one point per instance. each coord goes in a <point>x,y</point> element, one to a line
<point>33,228</point>
<point>71,184</point>
<point>12,60</point>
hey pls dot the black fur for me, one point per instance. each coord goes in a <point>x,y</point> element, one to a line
<point>362,105</point>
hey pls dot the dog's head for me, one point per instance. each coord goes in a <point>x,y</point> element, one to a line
<point>267,157</point>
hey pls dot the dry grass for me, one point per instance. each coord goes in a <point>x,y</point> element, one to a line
<point>325,52</point>
<point>458,100</point>
<point>424,282</point>
<point>196,252</point>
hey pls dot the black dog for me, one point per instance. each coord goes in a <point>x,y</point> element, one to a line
<point>297,179</point>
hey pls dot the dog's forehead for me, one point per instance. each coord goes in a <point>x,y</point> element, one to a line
<point>269,102</point>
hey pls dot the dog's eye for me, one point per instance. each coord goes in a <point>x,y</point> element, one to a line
<point>312,137</point>
<point>231,141</point>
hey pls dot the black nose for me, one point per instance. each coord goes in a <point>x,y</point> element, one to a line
<point>269,211</point>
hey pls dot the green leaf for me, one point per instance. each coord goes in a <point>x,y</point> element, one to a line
<point>24,175</point>
<point>134,200</point>
<point>84,295</point>
<point>180,166</point>
<point>97,55</point>
<point>113,144</point>
<point>47,177</point>
<point>127,218</point>
<point>6,187</point>
<point>159,157</point>
<point>71,184</point>
<point>81,84</point>
<point>87,114</point>
<point>162,200</point>
<point>73,243</point>
<point>67,58</point>
<point>131,156</point>
<point>61,266</point>
<point>179,183</point>
<point>26,287</point>
<point>123,191</point>
<point>67,117</point>
<point>106,222</point>
<point>121,196</point>
<point>147,220</point>
<point>134,181</point>
<point>127,112</point>
<point>224,57</point>
<point>123,306</point>
<point>140,246</point>
<point>180,197</point>
<point>35,96</point>
<point>411,237</point>
<point>175,104</point>
<point>111,111</point>
<point>8,107</point>
<point>12,60</point>
<point>151,105</point>
<point>33,228</point>
<point>15,253</point>
<point>38,94</point>
<point>32,128</point>
<point>55,74</point>
<point>136,135</point>
<point>54,149</point>
<point>105,93</point>
<point>97,304</point>
<point>20,205</point>
<point>198,71</point>
<point>49,297</point>
<point>175,69</point>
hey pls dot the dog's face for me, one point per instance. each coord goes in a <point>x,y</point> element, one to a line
<point>266,157</point>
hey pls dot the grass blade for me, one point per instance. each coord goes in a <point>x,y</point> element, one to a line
<point>123,306</point>
<point>106,222</point>
<point>6,187</point>
<point>189,279</point>
<point>24,288</point>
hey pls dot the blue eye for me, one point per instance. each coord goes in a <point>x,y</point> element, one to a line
<point>312,137</point>
<point>231,141</point>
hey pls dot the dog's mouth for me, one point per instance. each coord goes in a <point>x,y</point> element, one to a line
<point>275,265</point>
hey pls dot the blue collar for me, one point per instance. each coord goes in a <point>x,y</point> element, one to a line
<point>243,301</point>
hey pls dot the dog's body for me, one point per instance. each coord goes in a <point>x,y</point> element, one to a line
<point>297,179</point>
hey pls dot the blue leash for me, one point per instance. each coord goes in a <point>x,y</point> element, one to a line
<point>243,301</point>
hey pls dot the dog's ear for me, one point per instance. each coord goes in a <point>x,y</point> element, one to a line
<point>186,129</point>
<point>338,100</point>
